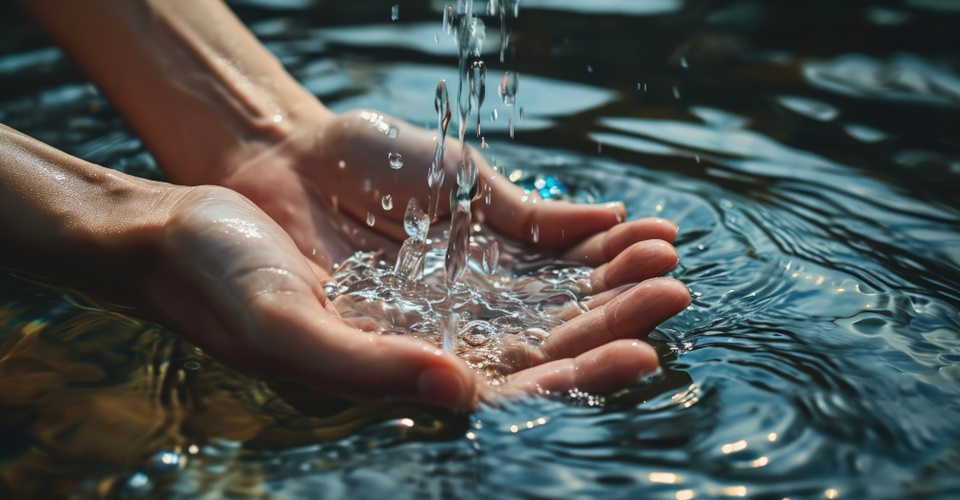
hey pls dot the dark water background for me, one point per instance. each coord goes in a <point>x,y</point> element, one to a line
<point>809,150</point>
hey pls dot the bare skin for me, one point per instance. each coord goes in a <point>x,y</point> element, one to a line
<point>239,269</point>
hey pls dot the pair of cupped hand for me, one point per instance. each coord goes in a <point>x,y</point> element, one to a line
<point>254,268</point>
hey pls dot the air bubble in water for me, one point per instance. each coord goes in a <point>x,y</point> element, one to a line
<point>396,160</point>
<point>387,202</point>
<point>371,220</point>
<point>508,87</point>
<point>395,12</point>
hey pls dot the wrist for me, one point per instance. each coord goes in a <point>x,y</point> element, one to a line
<point>76,224</point>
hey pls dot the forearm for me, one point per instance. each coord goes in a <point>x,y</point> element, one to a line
<point>186,74</point>
<point>71,222</point>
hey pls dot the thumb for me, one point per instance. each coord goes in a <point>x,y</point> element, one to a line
<point>546,223</point>
<point>314,347</point>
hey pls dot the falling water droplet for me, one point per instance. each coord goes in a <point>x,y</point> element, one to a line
<point>396,160</point>
<point>697,157</point>
<point>387,202</point>
<point>521,115</point>
<point>395,12</point>
<point>478,80</point>
<point>589,68</point>
<point>371,220</point>
<point>491,257</point>
<point>508,88</point>
<point>487,194</point>
<point>483,143</point>
<point>494,115</point>
<point>535,232</point>
<point>511,128</point>
<point>436,39</point>
<point>342,164</point>
<point>683,62</point>
<point>415,222</point>
<point>676,92</point>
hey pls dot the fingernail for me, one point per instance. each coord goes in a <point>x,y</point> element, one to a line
<point>442,386</point>
<point>619,208</point>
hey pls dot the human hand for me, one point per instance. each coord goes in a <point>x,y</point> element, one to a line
<point>321,183</point>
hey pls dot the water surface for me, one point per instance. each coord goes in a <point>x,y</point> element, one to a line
<point>809,151</point>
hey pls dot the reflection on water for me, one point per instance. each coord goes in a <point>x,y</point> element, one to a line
<point>811,160</point>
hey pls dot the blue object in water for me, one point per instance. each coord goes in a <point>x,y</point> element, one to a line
<point>549,186</point>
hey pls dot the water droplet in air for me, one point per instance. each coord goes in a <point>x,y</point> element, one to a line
<point>387,202</point>
<point>589,68</point>
<point>511,128</point>
<point>508,88</point>
<point>491,257</point>
<point>683,62</point>
<point>436,39</point>
<point>371,220</point>
<point>697,157</point>
<point>395,12</point>
<point>535,232</point>
<point>676,92</point>
<point>342,164</point>
<point>448,20</point>
<point>415,222</point>
<point>483,143</point>
<point>396,160</point>
<point>494,115</point>
<point>521,115</point>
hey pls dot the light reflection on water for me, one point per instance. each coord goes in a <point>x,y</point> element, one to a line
<point>815,180</point>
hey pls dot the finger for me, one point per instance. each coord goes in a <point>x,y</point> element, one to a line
<point>604,246</point>
<point>313,347</point>
<point>640,261</point>
<point>632,314</point>
<point>568,313</point>
<point>546,223</point>
<point>606,368</point>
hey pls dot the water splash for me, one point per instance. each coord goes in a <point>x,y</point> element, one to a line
<point>441,103</point>
<point>416,224</point>
<point>501,311</point>
<point>458,246</point>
